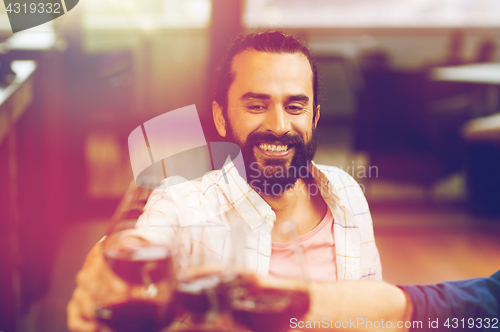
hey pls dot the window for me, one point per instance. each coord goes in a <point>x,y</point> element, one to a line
<point>151,14</point>
<point>371,13</point>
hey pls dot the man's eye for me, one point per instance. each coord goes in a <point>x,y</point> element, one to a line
<point>295,108</point>
<point>256,107</point>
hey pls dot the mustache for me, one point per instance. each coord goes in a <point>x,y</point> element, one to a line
<point>267,137</point>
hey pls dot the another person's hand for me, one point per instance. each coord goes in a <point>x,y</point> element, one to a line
<point>94,281</point>
<point>347,301</point>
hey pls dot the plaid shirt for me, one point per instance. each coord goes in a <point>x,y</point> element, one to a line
<point>208,206</point>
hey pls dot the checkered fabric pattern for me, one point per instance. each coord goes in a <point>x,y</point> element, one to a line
<point>207,208</point>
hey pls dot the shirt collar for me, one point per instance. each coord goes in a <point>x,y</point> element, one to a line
<point>327,189</point>
<point>249,204</point>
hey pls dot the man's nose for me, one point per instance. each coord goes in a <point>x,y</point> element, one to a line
<point>277,121</point>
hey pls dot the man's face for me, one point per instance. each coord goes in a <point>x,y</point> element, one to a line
<point>270,116</point>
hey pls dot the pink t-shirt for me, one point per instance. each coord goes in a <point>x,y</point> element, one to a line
<point>318,247</point>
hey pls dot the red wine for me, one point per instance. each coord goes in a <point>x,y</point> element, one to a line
<point>140,265</point>
<point>136,316</point>
<point>199,293</point>
<point>267,309</point>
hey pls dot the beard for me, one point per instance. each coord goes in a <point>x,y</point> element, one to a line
<point>274,177</point>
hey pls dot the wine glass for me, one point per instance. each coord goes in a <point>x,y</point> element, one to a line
<point>269,308</point>
<point>203,274</point>
<point>146,268</point>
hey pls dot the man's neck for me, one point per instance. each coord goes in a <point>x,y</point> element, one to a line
<point>303,204</point>
<point>288,199</point>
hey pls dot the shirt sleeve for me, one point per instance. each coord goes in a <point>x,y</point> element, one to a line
<point>159,220</point>
<point>456,300</point>
<point>378,266</point>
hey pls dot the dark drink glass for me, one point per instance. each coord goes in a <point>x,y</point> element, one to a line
<point>202,292</point>
<point>140,264</point>
<point>202,279</point>
<point>267,309</point>
<point>147,270</point>
<point>136,315</point>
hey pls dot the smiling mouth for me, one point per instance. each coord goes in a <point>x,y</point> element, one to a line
<point>274,147</point>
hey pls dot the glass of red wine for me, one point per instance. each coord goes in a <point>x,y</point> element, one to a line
<point>145,268</point>
<point>199,278</point>
<point>222,293</point>
<point>209,261</point>
<point>269,308</point>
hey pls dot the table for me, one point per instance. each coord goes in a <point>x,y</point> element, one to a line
<point>484,73</point>
<point>478,73</point>
<point>481,134</point>
<point>484,129</point>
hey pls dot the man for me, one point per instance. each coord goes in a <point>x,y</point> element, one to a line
<point>266,102</point>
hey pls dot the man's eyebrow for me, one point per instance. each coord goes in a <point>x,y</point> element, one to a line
<point>290,98</point>
<point>254,95</point>
<point>300,97</point>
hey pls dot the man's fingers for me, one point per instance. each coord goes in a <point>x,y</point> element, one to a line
<point>95,283</point>
<point>270,281</point>
<point>77,322</point>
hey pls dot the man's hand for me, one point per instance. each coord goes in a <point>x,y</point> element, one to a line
<point>342,301</point>
<point>94,282</point>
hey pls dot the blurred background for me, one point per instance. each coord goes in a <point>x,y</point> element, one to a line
<point>409,107</point>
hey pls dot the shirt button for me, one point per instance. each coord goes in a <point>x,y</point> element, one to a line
<point>262,251</point>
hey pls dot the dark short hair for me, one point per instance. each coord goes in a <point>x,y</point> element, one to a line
<point>269,41</point>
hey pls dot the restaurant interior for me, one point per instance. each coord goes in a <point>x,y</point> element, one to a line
<point>410,107</point>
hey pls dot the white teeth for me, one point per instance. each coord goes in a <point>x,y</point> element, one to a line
<point>273,148</point>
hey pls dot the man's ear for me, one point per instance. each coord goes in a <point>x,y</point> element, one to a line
<point>316,117</point>
<point>220,122</point>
